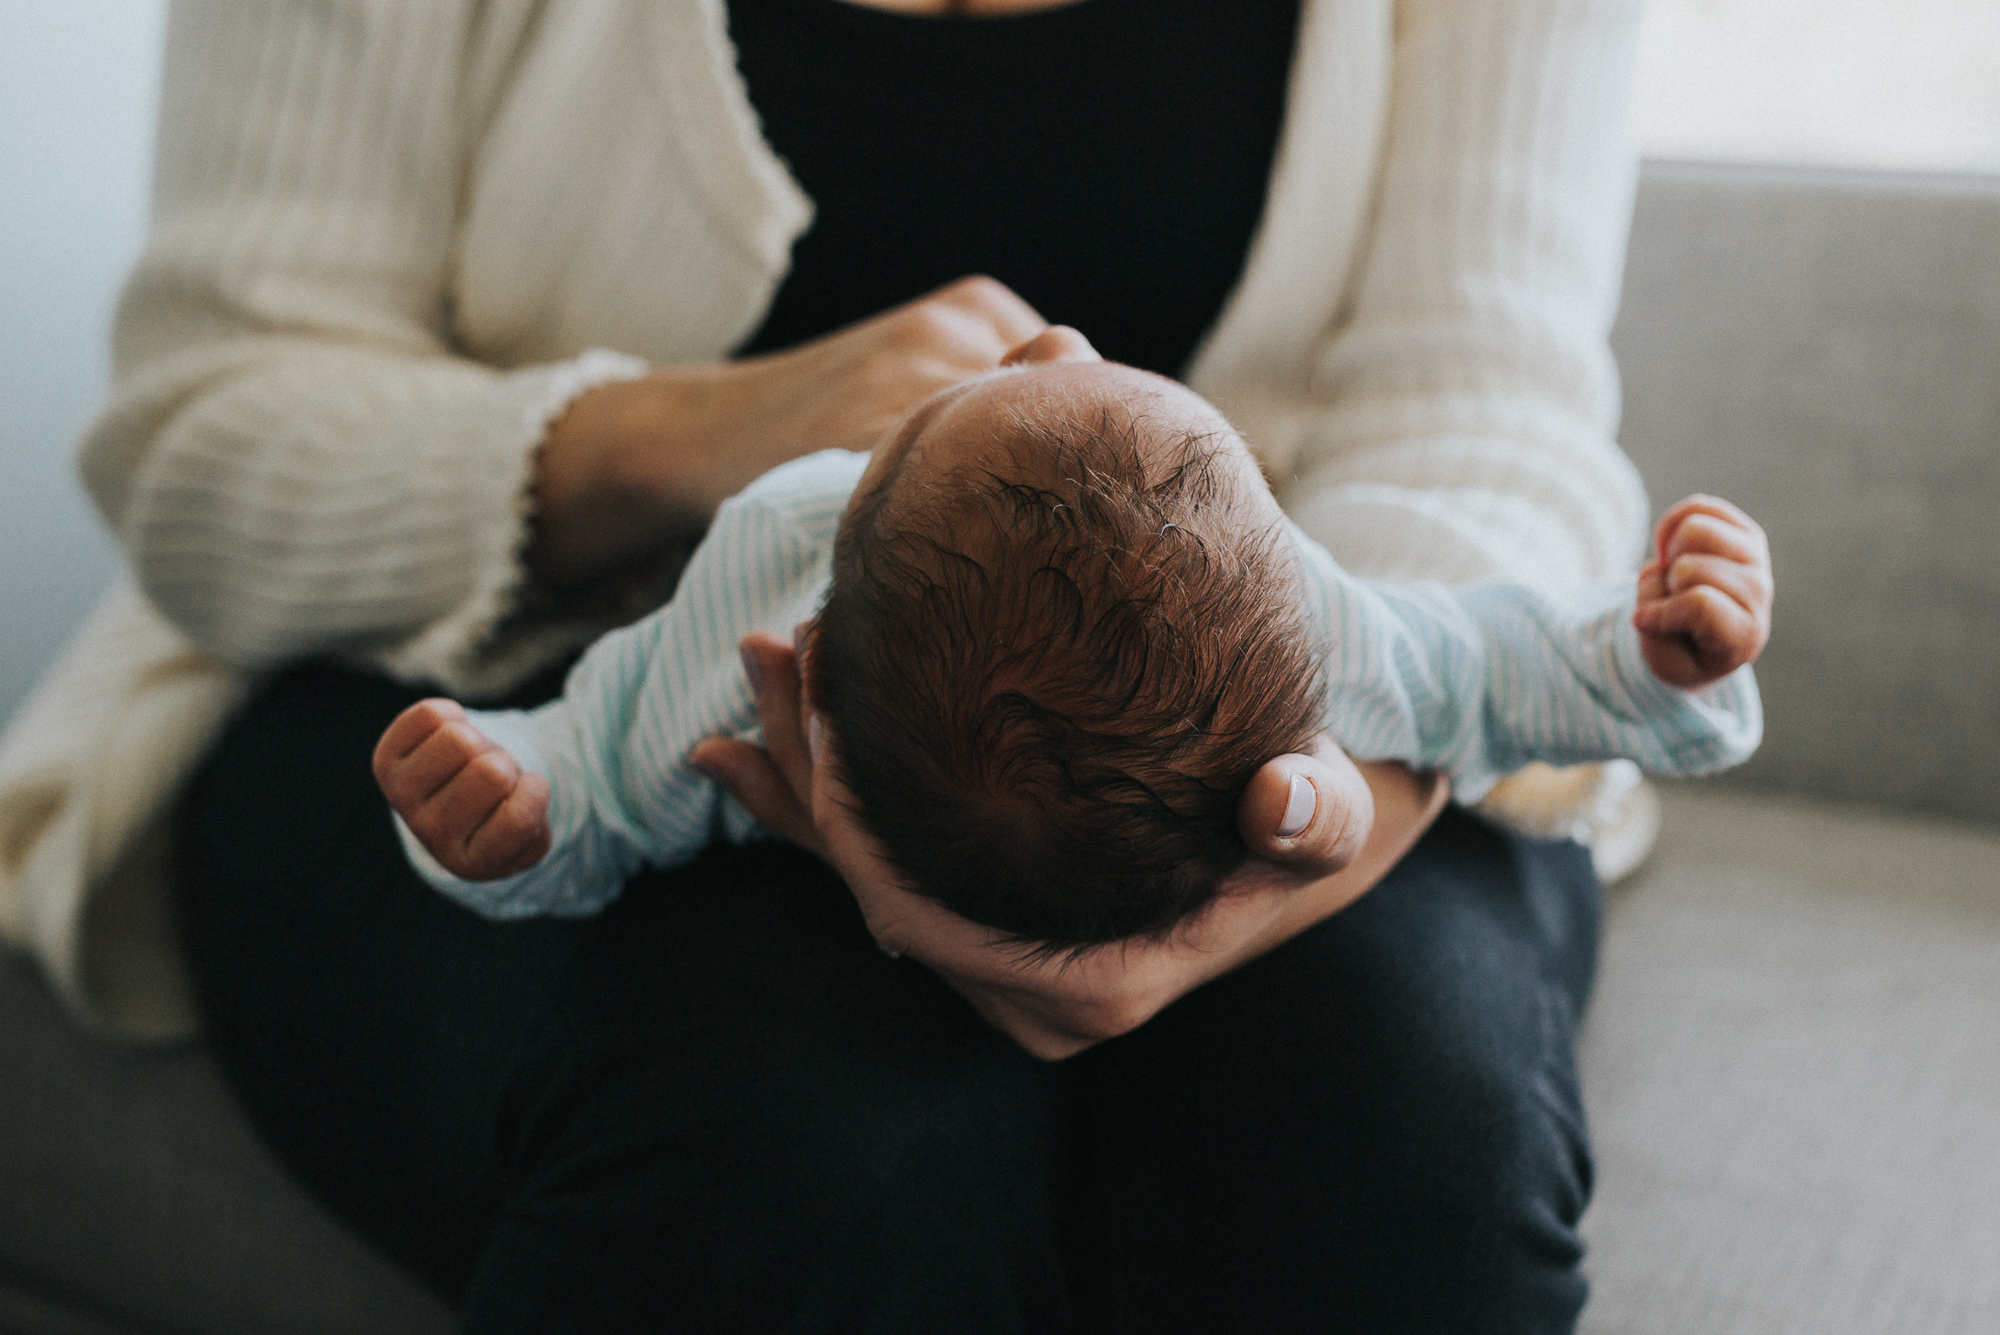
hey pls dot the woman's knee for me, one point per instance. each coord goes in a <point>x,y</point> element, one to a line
<point>816,1198</point>
<point>1481,1172</point>
<point>1379,1119</point>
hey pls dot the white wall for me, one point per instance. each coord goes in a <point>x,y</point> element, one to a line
<point>78,86</point>
<point>1904,84</point>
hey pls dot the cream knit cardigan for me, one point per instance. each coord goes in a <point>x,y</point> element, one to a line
<point>386,237</point>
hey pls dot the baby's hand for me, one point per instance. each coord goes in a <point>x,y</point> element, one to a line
<point>462,795</point>
<point>1705,597</point>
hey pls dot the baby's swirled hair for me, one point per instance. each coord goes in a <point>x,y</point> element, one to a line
<point>1051,673</point>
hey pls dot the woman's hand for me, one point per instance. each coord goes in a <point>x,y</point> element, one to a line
<point>1343,828</point>
<point>633,465</point>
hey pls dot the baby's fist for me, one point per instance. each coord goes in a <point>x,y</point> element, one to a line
<point>1705,596</point>
<point>463,796</point>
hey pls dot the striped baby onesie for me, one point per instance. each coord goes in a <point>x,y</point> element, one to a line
<point>1474,681</point>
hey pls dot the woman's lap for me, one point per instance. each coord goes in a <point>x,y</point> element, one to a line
<point>719,1094</point>
<point>1384,1113</point>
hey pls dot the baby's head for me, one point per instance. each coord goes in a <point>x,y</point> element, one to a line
<point>1063,633</point>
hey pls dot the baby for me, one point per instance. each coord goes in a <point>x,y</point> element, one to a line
<point>1055,626</point>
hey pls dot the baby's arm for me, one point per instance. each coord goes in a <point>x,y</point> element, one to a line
<point>1704,605</point>
<point>516,813</point>
<point>550,810</point>
<point>1478,681</point>
<point>468,801</point>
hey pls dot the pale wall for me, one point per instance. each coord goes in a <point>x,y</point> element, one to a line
<point>78,83</point>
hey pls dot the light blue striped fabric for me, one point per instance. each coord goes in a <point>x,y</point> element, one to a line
<point>1474,681</point>
<point>1480,679</point>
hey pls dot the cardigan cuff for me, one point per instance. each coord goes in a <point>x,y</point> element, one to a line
<point>482,646</point>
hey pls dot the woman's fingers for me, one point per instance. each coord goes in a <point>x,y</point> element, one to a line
<point>1057,343</point>
<point>755,780</point>
<point>1023,1017</point>
<point>787,712</point>
<point>994,305</point>
<point>773,782</point>
<point>631,463</point>
<point>773,668</point>
<point>938,339</point>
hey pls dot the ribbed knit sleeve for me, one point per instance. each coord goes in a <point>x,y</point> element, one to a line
<point>1468,395</point>
<point>294,455</point>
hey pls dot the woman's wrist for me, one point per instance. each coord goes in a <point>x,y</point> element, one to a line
<point>612,483</point>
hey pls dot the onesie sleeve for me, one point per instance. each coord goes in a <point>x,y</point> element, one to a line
<point>1479,680</point>
<point>614,745</point>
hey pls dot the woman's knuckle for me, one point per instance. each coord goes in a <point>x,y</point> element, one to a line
<point>928,323</point>
<point>980,289</point>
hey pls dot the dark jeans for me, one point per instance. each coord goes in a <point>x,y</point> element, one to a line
<point>718,1107</point>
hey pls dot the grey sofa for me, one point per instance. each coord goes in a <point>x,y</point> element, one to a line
<point>1793,1063</point>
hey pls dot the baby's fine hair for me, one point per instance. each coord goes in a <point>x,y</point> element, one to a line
<point>1051,674</point>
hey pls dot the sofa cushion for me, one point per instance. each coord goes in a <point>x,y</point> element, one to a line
<point>1792,1074</point>
<point>134,1198</point>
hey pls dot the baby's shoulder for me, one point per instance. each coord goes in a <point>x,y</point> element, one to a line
<point>796,507</point>
<point>805,488</point>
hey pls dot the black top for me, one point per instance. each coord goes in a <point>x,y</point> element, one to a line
<point>1107,160</point>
